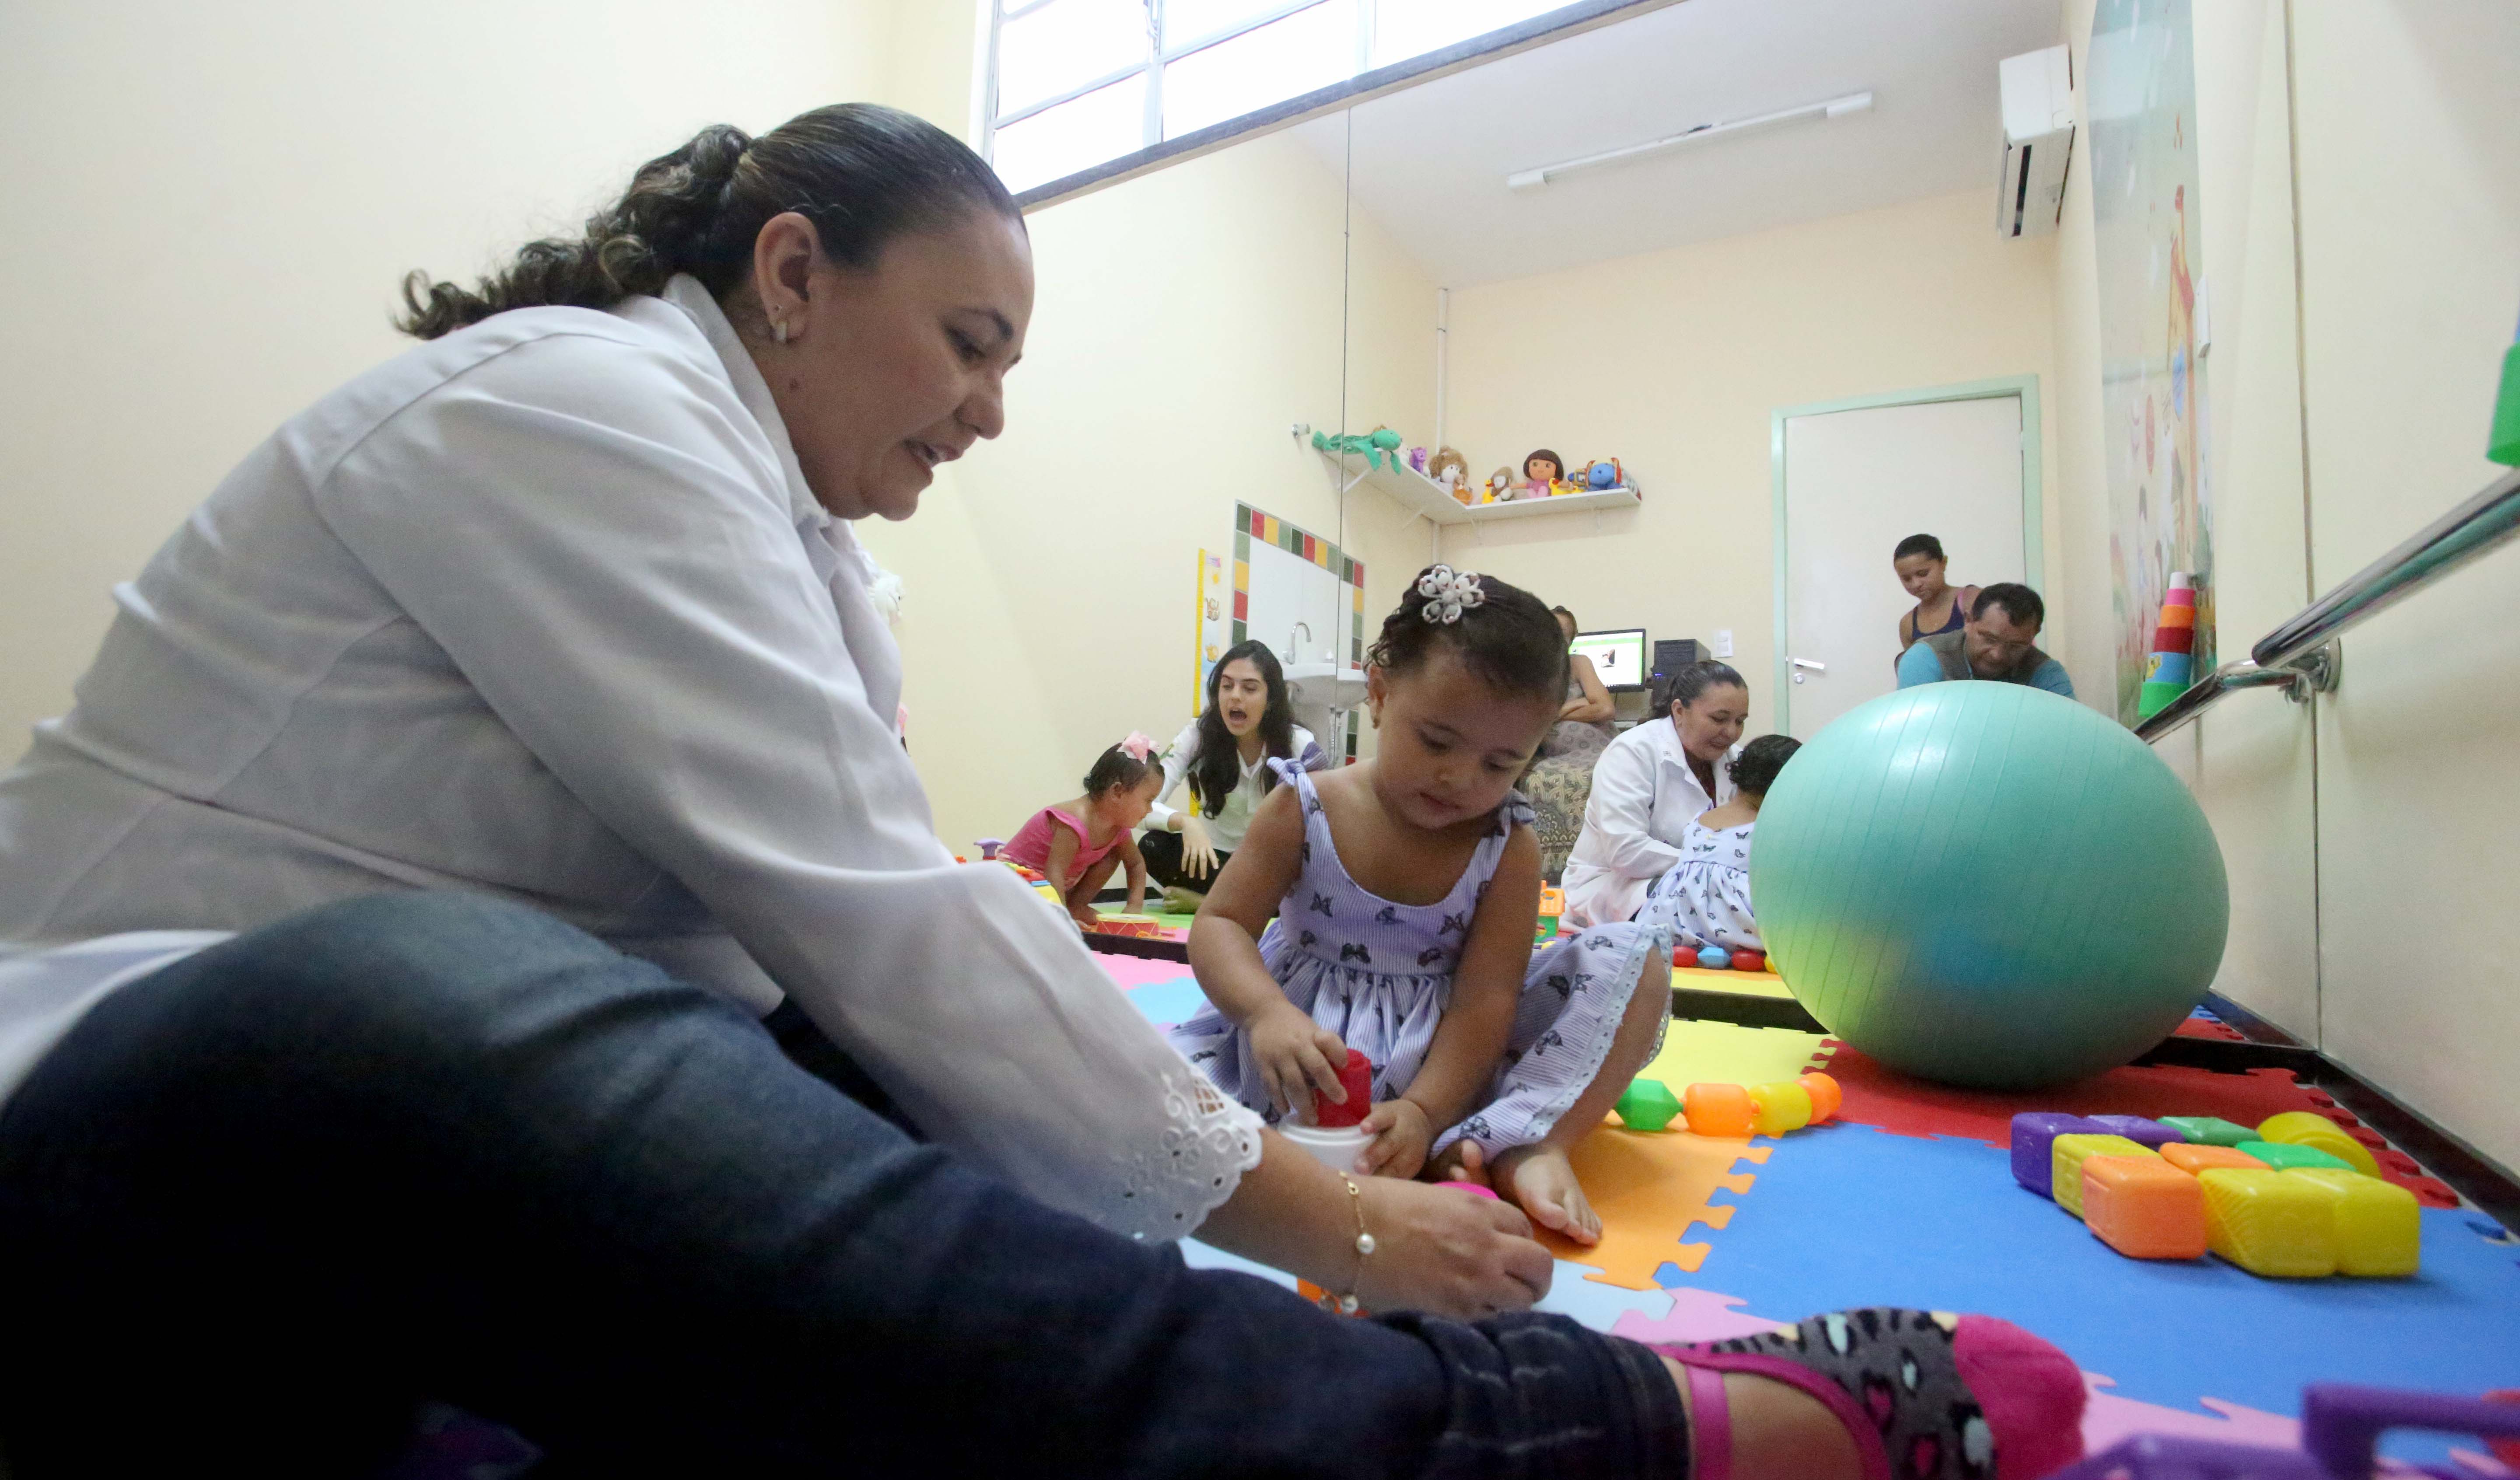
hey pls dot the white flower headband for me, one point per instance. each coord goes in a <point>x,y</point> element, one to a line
<point>1448,593</point>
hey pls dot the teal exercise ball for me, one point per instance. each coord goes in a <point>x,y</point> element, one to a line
<point>1988,886</point>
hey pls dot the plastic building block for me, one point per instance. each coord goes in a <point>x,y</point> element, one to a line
<point>1721,1109</point>
<point>1749,960</point>
<point>2068,1152</point>
<point>1356,1078</point>
<point>1647,1106</point>
<point>2144,1207</point>
<point>2143,1131</point>
<point>2196,1158</point>
<point>1825,1096</point>
<point>2281,1156</point>
<point>1715,957</point>
<point>2301,1128</point>
<point>2379,1224</point>
<point>2033,1136</point>
<point>2209,1129</point>
<point>2270,1223</point>
<point>1779,1107</point>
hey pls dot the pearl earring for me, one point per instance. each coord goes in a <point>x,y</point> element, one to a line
<point>779,331</point>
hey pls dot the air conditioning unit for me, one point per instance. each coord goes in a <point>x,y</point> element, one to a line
<point>2038,89</point>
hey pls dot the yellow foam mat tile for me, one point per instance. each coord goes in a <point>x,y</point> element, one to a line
<point>1738,983</point>
<point>1722,1052</point>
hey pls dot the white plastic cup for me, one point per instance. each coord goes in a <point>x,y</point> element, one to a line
<point>1337,1148</point>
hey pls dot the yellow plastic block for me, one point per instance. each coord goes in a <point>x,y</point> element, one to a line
<point>1782,1106</point>
<point>2067,1154</point>
<point>2301,1128</point>
<point>2379,1225</point>
<point>2270,1223</point>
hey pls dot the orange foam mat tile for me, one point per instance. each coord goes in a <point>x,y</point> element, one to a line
<point>1651,1189</point>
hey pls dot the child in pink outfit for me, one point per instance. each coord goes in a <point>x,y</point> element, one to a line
<point>1076,844</point>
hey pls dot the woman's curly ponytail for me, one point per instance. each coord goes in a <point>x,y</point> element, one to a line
<point>863,174</point>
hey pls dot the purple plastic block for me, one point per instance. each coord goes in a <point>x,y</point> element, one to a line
<point>2341,1423</point>
<point>2340,1431</point>
<point>2158,1457</point>
<point>2034,1145</point>
<point>2143,1131</point>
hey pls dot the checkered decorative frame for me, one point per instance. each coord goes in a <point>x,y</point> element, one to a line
<point>1250,525</point>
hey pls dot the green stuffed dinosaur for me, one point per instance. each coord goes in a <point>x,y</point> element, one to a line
<point>1374,445</point>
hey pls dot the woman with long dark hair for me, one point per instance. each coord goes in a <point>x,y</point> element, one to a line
<point>1224,756</point>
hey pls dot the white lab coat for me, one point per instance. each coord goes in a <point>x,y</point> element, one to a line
<point>544,609</point>
<point>1643,797</point>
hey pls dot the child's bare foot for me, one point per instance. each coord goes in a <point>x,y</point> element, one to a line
<point>1462,1161</point>
<point>1182,901</point>
<point>1541,1181</point>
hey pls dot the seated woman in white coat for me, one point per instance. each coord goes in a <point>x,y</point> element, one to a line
<point>1647,787</point>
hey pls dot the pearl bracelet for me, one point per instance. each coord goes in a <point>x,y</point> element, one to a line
<point>1363,1244</point>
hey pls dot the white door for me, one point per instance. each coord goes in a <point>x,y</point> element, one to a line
<point>1858,482</point>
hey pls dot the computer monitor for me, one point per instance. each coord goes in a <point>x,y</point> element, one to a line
<point>1619,656</point>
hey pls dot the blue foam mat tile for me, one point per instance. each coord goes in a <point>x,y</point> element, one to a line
<point>1865,1218</point>
<point>1165,1003</point>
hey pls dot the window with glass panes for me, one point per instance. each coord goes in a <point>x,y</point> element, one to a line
<point>1073,83</point>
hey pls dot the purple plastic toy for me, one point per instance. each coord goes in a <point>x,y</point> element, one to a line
<point>2034,1145</point>
<point>2340,1435</point>
<point>2143,1131</point>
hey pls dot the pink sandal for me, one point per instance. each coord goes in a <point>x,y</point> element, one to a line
<point>1927,1395</point>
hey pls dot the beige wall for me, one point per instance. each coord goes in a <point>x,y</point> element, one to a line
<point>211,207</point>
<point>2372,845</point>
<point>1185,321</point>
<point>2410,278</point>
<point>1674,362</point>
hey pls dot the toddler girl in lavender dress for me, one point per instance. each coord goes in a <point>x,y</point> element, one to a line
<point>1704,899</point>
<point>1405,891</point>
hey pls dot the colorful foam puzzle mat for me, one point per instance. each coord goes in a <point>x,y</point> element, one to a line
<point>1908,1198</point>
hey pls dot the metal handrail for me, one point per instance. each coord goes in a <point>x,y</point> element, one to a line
<point>2301,657</point>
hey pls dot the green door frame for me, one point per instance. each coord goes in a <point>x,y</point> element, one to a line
<point>2024,388</point>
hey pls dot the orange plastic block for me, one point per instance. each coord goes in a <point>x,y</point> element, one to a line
<point>2144,1207</point>
<point>1825,1096</point>
<point>2193,1159</point>
<point>1720,1110</point>
<point>2067,1153</point>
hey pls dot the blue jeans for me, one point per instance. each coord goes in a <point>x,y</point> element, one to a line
<point>262,1203</point>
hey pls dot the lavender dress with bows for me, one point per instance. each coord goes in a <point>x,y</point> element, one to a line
<point>1380,974</point>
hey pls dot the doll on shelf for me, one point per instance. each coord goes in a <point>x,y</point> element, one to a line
<point>1544,472</point>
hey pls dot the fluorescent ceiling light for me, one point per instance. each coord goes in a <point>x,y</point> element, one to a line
<point>1835,108</point>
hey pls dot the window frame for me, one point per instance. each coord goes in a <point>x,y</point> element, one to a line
<point>1361,85</point>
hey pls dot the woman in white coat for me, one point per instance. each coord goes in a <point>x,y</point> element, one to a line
<point>385,934</point>
<point>1647,787</point>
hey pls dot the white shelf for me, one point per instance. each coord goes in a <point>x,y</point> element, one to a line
<point>1420,494</point>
